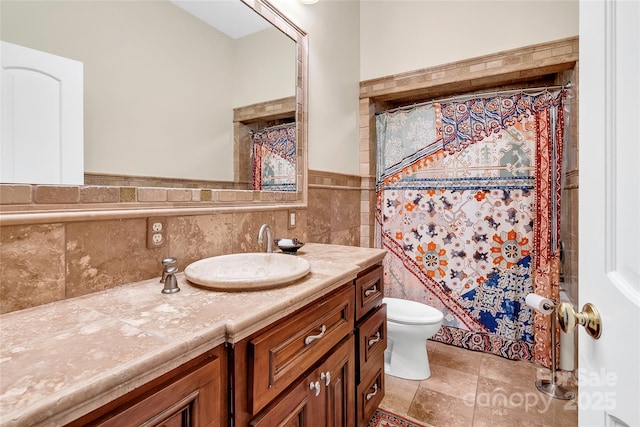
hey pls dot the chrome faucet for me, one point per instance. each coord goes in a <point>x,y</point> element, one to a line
<point>169,276</point>
<point>263,228</point>
<point>167,262</point>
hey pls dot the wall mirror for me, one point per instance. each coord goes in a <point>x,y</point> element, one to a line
<point>173,90</point>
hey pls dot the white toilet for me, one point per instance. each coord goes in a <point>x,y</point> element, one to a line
<point>409,325</point>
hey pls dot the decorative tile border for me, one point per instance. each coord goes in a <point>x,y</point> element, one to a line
<point>333,180</point>
<point>33,197</point>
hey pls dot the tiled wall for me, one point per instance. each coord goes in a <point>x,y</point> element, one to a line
<point>50,261</point>
<point>569,208</point>
<point>21,197</point>
<point>334,208</point>
<point>47,262</point>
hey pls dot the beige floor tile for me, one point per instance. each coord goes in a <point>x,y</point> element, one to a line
<point>441,410</point>
<point>399,394</point>
<point>523,398</point>
<point>452,382</point>
<point>468,388</point>
<point>561,413</point>
<point>508,371</point>
<point>504,417</point>
<point>453,357</point>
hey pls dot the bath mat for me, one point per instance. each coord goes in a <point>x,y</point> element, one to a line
<point>385,418</point>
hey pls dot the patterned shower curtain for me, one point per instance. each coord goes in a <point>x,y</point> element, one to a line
<point>468,200</point>
<point>274,158</point>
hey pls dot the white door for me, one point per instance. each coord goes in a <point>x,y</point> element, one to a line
<point>42,118</point>
<point>609,367</point>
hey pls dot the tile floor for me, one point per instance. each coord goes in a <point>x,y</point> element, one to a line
<point>468,388</point>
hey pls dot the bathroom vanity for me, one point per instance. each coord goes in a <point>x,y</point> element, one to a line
<point>324,362</point>
<point>302,354</point>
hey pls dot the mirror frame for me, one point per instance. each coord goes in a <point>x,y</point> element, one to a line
<point>32,203</point>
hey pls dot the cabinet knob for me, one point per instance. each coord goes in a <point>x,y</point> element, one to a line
<point>326,376</point>
<point>315,386</point>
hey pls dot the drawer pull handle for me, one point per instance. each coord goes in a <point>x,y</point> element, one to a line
<point>326,377</point>
<point>371,291</point>
<point>375,391</point>
<point>311,338</point>
<point>374,340</point>
<point>315,386</point>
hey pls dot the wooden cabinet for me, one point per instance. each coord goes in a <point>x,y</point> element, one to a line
<point>291,410</point>
<point>371,342</point>
<point>300,370</point>
<point>323,366</point>
<point>279,355</point>
<point>194,394</point>
<point>330,385</point>
<point>335,401</point>
<point>323,398</point>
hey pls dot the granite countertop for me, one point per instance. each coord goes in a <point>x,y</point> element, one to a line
<point>62,360</point>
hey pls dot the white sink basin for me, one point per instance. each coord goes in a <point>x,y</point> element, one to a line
<point>247,271</point>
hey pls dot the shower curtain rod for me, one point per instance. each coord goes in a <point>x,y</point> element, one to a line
<point>476,95</point>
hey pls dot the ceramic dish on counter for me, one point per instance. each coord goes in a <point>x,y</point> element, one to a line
<point>289,246</point>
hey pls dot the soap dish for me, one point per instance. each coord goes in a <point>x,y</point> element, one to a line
<point>289,246</point>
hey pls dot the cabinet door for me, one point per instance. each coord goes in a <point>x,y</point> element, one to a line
<point>280,355</point>
<point>192,400</point>
<point>290,411</point>
<point>324,398</point>
<point>337,377</point>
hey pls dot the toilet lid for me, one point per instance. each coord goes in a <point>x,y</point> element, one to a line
<point>411,312</point>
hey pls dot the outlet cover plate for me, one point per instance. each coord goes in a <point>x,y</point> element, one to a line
<point>156,232</point>
<point>292,219</point>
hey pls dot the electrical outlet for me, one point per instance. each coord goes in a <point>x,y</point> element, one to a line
<point>156,232</point>
<point>292,219</point>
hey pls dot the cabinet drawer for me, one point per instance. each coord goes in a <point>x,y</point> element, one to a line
<point>279,356</point>
<point>369,291</point>
<point>370,393</point>
<point>371,341</point>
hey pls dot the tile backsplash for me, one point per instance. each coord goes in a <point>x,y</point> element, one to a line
<point>42,261</point>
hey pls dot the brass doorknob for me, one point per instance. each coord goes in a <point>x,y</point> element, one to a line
<point>589,318</point>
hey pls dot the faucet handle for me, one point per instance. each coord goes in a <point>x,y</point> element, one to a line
<point>168,263</point>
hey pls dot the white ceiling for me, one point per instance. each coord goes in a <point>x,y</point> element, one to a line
<point>232,17</point>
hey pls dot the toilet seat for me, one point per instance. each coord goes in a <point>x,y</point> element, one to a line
<point>411,312</point>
